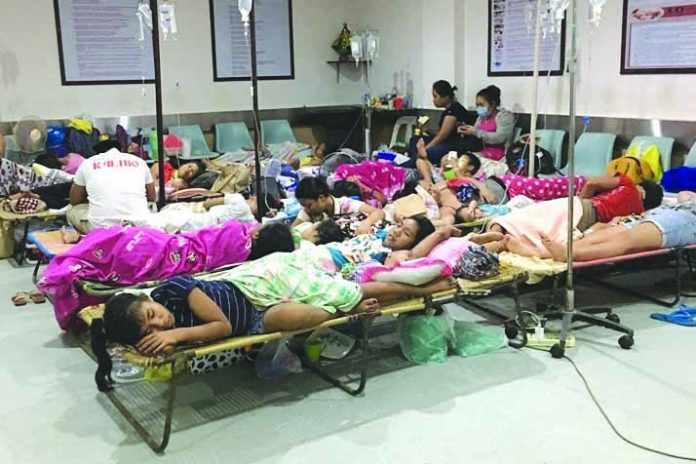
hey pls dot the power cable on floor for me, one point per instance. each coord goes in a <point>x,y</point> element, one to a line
<point>608,420</point>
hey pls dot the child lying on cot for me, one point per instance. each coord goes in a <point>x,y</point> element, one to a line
<point>318,203</point>
<point>247,300</point>
<point>132,255</point>
<point>187,217</point>
<point>670,226</point>
<point>601,200</point>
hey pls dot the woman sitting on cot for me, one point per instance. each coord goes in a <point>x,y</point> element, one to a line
<point>247,300</point>
<point>124,256</point>
<point>669,226</point>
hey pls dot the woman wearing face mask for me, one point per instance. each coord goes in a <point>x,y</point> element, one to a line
<point>446,138</point>
<point>494,126</point>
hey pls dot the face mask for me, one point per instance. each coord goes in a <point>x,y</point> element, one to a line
<point>482,111</point>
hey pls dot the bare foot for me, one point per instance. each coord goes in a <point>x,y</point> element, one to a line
<point>557,250</point>
<point>420,147</point>
<point>495,247</point>
<point>487,237</point>
<point>368,306</point>
<point>69,236</point>
<point>516,246</point>
<point>441,285</point>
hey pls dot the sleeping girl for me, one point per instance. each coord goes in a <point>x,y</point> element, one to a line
<point>272,294</point>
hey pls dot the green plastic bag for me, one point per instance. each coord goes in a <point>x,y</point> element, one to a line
<point>471,339</point>
<point>423,339</point>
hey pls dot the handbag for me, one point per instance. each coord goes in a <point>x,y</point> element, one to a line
<point>477,264</point>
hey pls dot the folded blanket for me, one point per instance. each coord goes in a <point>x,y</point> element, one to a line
<point>537,269</point>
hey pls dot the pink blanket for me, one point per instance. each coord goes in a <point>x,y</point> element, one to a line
<point>131,255</point>
<point>547,217</point>
<point>375,176</point>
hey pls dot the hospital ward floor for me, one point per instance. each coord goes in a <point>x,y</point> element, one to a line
<point>504,407</point>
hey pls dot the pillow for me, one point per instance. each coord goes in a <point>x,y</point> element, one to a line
<point>451,250</point>
<point>415,272</point>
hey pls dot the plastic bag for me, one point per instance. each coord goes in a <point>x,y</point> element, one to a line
<point>276,360</point>
<point>423,339</point>
<point>471,339</point>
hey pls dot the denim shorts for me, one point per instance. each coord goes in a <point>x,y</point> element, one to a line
<point>256,327</point>
<point>678,226</point>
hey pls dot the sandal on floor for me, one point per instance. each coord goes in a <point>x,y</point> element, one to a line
<point>685,316</point>
<point>21,299</point>
<point>37,297</point>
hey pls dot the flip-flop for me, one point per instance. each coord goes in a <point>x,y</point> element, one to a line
<point>684,316</point>
<point>37,297</point>
<point>21,299</point>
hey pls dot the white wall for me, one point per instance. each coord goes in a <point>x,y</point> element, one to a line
<point>602,90</point>
<point>422,41</point>
<point>30,71</point>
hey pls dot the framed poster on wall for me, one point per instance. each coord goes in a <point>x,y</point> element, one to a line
<point>658,37</point>
<point>99,43</point>
<point>274,41</point>
<point>511,41</point>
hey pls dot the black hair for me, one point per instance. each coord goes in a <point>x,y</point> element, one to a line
<point>120,324</point>
<point>444,89</point>
<point>269,202</point>
<point>474,161</point>
<point>329,232</point>
<point>491,94</point>
<point>653,194</point>
<point>311,188</point>
<point>409,189</point>
<point>425,228</point>
<point>274,237</point>
<point>344,188</point>
<point>330,147</point>
<point>49,161</point>
<point>106,145</point>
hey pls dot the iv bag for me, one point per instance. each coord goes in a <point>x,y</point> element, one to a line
<point>145,18</point>
<point>245,7</point>
<point>167,17</point>
<point>357,42</point>
<point>371,45</point>
<point>597,6</point>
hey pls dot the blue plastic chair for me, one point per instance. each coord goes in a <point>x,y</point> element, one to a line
<point>664,144</point>
<point>231,136</point>
<point>199,147</point>
<point>691,157</point>
<point>593,152</point>
<point>552,140</point>
<point>277,131</point>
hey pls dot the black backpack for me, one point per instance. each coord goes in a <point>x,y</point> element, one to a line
<point>517,160</point>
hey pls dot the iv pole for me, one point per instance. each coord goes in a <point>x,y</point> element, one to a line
<point>161,198</point>
<point>257,124</point>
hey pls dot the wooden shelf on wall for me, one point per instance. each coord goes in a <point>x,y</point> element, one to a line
<point>351,62</point>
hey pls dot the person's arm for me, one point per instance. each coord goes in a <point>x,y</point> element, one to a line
<point>486,193</point>
<point>301,218</point>
<point>595,185</point>
<point>449,125</point>
<point>150,192</point>
<point>207,204</point>
<point>78,194</point>
<point>154,170</point>
<point>504,127</point>
<point>374,215</point>
<point>216,326</point>
<point>428,243</point>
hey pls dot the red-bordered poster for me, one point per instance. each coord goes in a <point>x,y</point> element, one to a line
<point>659,37</point>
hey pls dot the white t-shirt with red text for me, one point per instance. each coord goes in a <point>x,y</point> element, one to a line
<point>115,184</point>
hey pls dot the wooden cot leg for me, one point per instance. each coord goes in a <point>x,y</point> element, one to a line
<point>157,445</point>
<point>366,322</point>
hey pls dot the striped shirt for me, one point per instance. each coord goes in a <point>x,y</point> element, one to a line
<point>174,293</point>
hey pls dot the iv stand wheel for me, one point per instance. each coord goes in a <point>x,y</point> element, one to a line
<point>626,342</point>
<point>557,351</point>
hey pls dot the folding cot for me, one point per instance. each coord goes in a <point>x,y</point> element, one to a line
<point>189,359</point>
<point>25,219</point>
<point>49,243</point>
